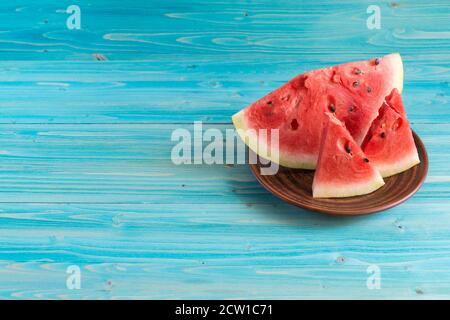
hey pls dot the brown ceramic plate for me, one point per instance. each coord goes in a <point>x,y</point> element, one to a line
<point>295,186</point>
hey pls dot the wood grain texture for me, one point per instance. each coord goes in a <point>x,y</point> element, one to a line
<point>85,170</point>
<point>209,90</point>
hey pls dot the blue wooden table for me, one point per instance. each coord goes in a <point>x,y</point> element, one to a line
<point>86,179</point>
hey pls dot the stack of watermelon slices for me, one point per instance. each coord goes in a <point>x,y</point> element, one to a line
<point>347,122</point>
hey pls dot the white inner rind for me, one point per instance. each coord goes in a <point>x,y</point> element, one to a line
<point>397,68</point>
<point>389,169</point>
<point>333,190</point>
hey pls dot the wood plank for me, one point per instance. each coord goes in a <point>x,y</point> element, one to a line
<point>147,29</point>
<point>131,164</point>
<point>221,251</point>
<point>210,91</point>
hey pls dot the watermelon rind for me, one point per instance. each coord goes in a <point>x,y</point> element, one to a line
<point>400,166</point>
<point>348,190</point>
<point>397,65</point>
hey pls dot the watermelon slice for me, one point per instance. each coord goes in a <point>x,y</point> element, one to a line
<point>353,91</point>
<point>389,144</point>
<point>343,169</point>
<point>395,101</point>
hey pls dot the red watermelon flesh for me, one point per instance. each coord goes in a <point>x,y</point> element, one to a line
<point>389,144</point>
<point>343,169</point>
<point>353,91</point>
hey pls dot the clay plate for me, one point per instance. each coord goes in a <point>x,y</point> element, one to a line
<point>294,186</point>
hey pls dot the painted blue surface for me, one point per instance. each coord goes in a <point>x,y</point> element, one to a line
<point>85,171</point>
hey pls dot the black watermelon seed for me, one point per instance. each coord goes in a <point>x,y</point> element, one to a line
<point>269,102</point>
<point>356,71</point>
<point>294,124</point>
<point>351,109</point>
<point>332,108</point>
<point>383,135</point>
<point>377,61</point>
<point>366,160</point>
<point>355,84</point>
<point>369,89</point>
<point>348,149</point>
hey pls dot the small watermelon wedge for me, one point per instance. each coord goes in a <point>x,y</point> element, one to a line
<point>394,99</point>
<point>352,91</point>
<point>343,169</point>
<point>389,144</point>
